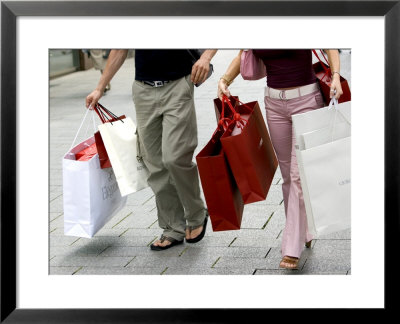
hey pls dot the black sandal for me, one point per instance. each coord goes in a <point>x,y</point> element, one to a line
<point>165,238</point>
<point>201,235</point>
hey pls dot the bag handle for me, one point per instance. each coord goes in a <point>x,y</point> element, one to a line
<point>237,118</point>
<point>80,127</point>
<point>106,115</point>
<point>326,69</point>
<point>334,104</point>
<point>243,104</point>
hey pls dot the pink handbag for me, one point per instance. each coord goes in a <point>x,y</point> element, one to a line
<point>251,67</point>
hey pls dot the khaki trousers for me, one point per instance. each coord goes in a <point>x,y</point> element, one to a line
<point>167,131</point>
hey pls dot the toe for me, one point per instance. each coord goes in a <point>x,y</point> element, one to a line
<point>196,232</point>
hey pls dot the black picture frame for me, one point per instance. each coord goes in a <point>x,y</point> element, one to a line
<point>10,10</point>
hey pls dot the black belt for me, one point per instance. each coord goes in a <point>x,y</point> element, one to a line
<point>155,84</point>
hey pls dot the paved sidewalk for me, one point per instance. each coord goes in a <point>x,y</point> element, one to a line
<point>122,246</point>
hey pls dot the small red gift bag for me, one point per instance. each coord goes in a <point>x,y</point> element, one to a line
<point>323,73</point>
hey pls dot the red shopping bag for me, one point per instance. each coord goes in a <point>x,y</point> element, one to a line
<point>105,116</point>
<point>87,153</point>
<point>249,151</point>
<point>323,73</point>
<point>223,198</point>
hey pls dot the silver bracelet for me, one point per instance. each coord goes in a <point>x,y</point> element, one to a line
<point>334,73</point>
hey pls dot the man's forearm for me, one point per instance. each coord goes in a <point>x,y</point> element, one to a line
<point>208,54</point>
<point>114,62</point>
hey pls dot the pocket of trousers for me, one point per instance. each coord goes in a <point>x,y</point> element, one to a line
<point>319,100</point>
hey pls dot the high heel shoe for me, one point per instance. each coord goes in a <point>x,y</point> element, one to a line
<point>288,262</point>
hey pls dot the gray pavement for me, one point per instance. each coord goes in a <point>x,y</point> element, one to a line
<point>122,246</point>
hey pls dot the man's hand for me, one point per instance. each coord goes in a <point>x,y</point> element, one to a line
<point>200,70</point>
<point>93,98</point>
<point>114,62</point>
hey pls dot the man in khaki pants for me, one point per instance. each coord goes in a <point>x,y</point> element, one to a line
<point>167,130</point>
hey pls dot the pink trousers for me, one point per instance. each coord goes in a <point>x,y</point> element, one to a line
<point>279,112</point>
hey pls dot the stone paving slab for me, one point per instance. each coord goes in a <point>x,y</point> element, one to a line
<point>158,259</point>
<point>63,270</point>
<point>131,251</point>
<point>61,240</point>
<point>120,271</point>
<point>120,241</point>
<point>342,235</point>
<point>324,265</point>
<point>234,252</point>
<point>209,271</point>
<point>229,262</point>
<point>54,216</point>
<point>75,250</point>
<point>79,261</point>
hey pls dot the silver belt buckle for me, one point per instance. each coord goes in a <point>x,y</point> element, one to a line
<point>282,95</point>
<point>158,84</point>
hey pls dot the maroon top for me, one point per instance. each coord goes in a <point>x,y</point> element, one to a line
<point>287,68</point>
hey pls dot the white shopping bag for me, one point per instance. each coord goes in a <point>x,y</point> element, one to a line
<point>91,195</point>
<point>120,141</point>
<point>323,118</point>
<point>323,153</point>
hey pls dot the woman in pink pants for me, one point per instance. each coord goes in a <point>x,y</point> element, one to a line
<point>292,88</point>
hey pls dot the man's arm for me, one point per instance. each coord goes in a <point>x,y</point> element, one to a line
<point>202,66</point>
<point>114,62</point>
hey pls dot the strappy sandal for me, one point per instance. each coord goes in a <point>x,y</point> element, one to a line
<point>165,238</point>
<point>201,235</point>
<point>291,262</point>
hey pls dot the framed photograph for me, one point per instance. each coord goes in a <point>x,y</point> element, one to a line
<point>29,29</point>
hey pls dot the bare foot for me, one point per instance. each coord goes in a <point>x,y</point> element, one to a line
<point>162,242</point>
<point>187,233</point>
<point>191,234</point>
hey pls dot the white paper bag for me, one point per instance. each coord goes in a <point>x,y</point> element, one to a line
<point>91,195</point>
<point>326,135</point>
<point>323,118</point>
<point>120,141</point>
<point>324,159</point>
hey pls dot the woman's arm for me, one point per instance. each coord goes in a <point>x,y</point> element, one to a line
<point>231,73</point>
<point>114,62</point>
<point>334,62</point>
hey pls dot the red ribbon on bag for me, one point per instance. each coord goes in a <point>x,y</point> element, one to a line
<point>237,118</point>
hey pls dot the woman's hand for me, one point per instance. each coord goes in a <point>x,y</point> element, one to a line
<point>336,87</point>
<point>334,63</point>
<point>223,89</point>
<point>93,98</point>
